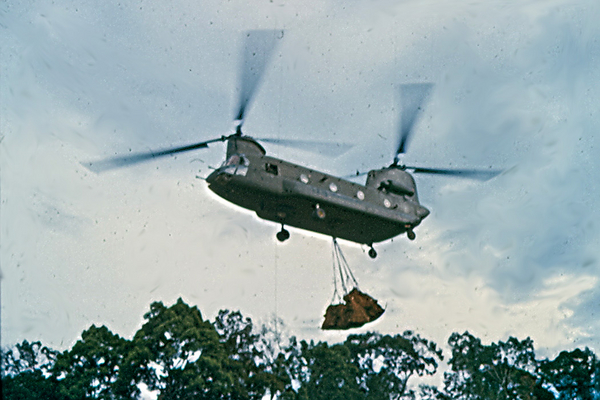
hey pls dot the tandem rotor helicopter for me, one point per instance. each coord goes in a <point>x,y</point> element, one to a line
<point>386,206</point>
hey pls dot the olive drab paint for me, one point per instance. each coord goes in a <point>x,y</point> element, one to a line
<point>290,194</point>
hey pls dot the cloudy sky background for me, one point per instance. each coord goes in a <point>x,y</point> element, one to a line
<point>517,85</point>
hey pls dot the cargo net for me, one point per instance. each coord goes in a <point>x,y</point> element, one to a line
<point>349,308</point>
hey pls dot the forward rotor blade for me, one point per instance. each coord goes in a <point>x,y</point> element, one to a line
<point>124,161</point>
<point>479,174</point>
<point>324,148</point>
<point>258,47</point>
<point>412,97</point>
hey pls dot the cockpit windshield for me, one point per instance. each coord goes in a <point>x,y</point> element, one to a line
<point>236,164</point>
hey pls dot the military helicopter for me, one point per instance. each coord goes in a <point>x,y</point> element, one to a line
<point>386,206</point>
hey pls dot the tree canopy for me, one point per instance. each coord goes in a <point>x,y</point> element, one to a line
<point>177,354</point>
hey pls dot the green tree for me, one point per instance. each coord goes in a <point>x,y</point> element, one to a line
<point>237,335</point>
<point>27,357</point>
<point>499,371</point>
<point>325,372</point>
<point>386,363</point>
<point>249,359</point>
<point>26,372</point>
<point>278,355</point>
<point>92,369</point>
<point>182,356</point>
<point>573,375</point>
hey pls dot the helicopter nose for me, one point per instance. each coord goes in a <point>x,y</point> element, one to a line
<point>218,177</point>
<point>212,177</point>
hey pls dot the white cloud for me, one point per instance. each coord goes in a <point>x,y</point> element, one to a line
<point>515,85</point>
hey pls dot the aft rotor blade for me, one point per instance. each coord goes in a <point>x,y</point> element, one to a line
<point>258,47</point>
<point>357,174</point>
<point>412,97</point>
<point>479,174</point>
<point>125,161</point>
<point>324,148</point>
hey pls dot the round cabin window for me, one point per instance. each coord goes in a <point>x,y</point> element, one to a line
<point>360,195</point>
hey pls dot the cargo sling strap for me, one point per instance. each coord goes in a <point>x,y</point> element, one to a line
<point>357,307</point>
<point>341,273</point>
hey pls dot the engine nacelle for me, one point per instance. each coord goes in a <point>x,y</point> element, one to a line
<point>392,180</point>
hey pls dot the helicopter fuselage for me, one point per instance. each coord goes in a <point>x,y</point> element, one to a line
<point>293,195</point>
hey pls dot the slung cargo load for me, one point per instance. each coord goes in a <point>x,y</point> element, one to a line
<point>359,308</point>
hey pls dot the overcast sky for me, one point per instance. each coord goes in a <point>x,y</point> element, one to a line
<point>517,86</point>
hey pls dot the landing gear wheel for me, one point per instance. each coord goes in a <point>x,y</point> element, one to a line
<point>411,234</point>
<point>372,253</point>
<point>283,235</point>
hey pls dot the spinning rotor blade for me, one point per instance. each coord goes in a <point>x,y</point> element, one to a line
<point>354,175</point>
<point>323,148</point>
<point>124,161</point>
<point>412,97</point>
<point>258,47</point>
<point>479,174</point>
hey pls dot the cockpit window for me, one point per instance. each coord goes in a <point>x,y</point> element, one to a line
<point>236,164</point>
<point>237,159</point>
